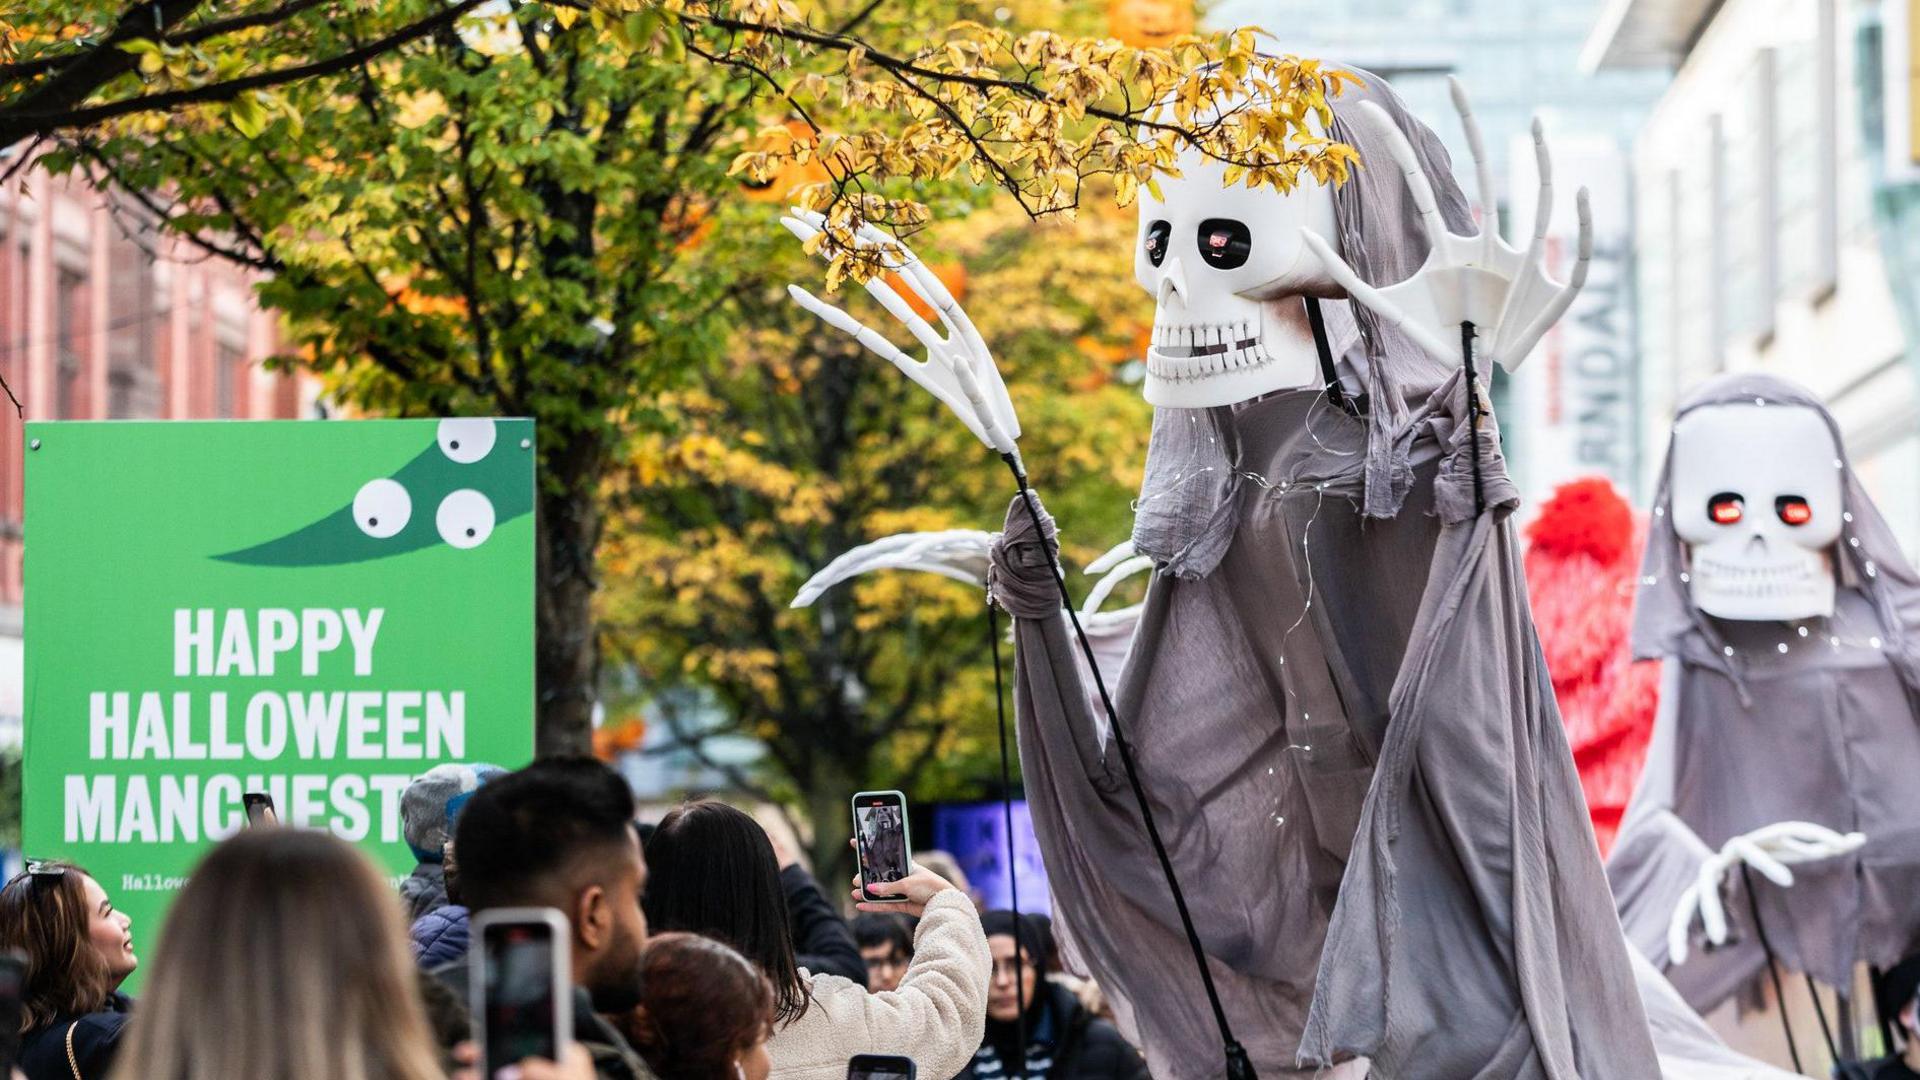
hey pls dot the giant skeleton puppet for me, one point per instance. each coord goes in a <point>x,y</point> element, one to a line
<point>1333,693</point>
<point>1788,736</point>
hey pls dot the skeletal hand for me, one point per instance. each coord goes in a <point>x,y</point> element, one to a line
<point>1770,850</point>
<point>1504,292</point>
<point>1118,564</point>
<point>959,369</point>
<point>960,554</point>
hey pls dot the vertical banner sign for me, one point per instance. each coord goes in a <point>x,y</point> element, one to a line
<point>1575,402</point>
<point>319,611</point>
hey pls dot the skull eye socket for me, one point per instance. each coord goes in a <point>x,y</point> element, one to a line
<point>1726,508</point>
<point>1224,243</point>
<point>1793,510</point>
<point>1158,234</point>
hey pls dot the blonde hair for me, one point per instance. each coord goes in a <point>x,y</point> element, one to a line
<point>284,958</point>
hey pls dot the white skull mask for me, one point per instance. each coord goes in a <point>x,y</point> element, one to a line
<point>1756,498</point>
<point>1226,267</point>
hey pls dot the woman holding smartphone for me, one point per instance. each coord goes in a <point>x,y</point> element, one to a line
<point>79,950</point>
<point>712,871</point>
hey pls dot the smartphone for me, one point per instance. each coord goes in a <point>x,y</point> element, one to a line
<point>259,807</point>
<point>880,835</point>
<point>879,1067</point>
<point>13,985</point>
<point>522,991</point>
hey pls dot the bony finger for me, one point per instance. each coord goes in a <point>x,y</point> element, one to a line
<point>1678,926</point>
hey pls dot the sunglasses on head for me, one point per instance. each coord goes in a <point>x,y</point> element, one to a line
<point>39,871</point>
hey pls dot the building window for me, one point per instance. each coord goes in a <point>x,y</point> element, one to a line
<point>1717,247</point>
<point>229,373</point>
<point>1744,220</point>
<point>71,307</point>
<point>133,386</point>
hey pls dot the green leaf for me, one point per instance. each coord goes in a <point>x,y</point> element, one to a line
<point>247,117</point>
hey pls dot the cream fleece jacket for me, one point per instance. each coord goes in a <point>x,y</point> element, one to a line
<point>937,1017</point>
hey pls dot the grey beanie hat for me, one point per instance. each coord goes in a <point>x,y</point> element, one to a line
<point>432,802</point>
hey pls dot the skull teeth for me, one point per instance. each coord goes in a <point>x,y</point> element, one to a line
<point>1198,350</point>
<point>1755,582</point>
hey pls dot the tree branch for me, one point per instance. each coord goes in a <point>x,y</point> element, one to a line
<point>77,74</point>
<point>20,121</point>
<point>220,27</point>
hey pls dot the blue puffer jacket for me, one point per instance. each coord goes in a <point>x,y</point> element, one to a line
<point>440,937</point>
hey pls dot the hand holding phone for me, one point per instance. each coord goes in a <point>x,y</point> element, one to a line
<point>521,986</point>
<point>259,808</point>
<point>879,1067</point>
<point>908,896</point>
<point>880,839</point>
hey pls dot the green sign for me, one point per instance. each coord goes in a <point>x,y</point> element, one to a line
<point>317,610</point>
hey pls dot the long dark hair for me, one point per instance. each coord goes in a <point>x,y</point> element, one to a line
<point>711,871</point>
<point>702,1005</point>
<point>43,913</point>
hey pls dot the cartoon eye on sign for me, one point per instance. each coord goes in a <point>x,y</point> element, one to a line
<point>455,492</point>
<point>382,508</point>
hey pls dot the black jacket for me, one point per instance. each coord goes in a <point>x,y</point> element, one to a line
<point>1087,1047</point>
<point>96,1038</point>
<point>822,942</point>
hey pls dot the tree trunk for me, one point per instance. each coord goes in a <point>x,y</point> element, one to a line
<point>828,796</point>
<point>567,646</point>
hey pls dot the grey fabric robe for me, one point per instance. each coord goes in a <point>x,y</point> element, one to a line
<point>1349,739</point>
<point>1747,736</point>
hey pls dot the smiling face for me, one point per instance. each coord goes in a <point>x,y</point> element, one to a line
<point>110,931</point>
<point>1756,497</point>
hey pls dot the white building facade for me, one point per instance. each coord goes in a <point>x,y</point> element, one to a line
<point>1757,241</point>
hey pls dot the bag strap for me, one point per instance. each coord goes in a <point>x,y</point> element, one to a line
<point>72,1061</point>
<point>1353,405</point>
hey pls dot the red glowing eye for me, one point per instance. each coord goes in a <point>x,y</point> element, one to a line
<point>1726,508</point>
<point>1793,509</point>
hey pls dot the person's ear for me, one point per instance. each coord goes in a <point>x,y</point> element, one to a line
<point>592,918</point>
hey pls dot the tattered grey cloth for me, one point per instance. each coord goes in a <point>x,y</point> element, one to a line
<point>1185,517</point>
<point>1349,741</point>
<point>1689,1049</point>
<point>1825,730</point>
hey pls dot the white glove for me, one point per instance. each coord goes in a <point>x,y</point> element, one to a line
<point>1770,850</point>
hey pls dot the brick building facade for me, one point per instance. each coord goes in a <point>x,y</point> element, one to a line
<point>102,319</point>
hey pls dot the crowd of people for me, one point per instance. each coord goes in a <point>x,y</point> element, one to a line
<point>699,949</point>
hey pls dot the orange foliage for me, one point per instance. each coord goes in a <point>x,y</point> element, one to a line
<point>952,275</point>
<point>617,737</point>
<point>1149,24</point>
<point>792,175</point>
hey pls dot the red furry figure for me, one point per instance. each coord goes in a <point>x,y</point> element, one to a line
<point>1583,555</point>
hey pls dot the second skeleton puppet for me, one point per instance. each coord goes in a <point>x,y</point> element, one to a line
<point>1788,736</point>
<point>1334,692</point>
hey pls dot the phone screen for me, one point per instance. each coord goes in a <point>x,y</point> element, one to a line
<point>259,808</point>
<point>880,824</point>
<point>522,1016</point>
<point>879,1067</point>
